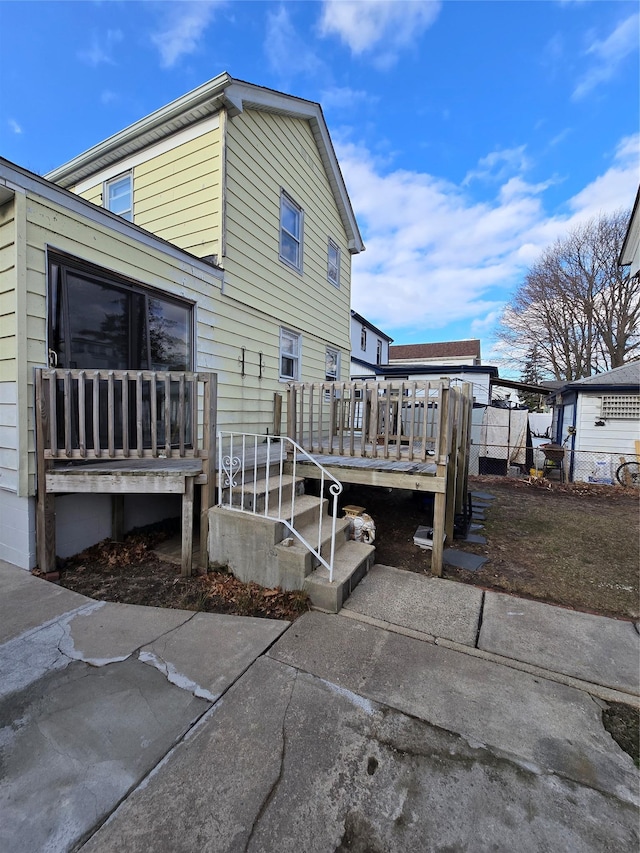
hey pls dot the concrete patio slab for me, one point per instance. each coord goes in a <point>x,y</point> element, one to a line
<point>594,648</point>
<point>431,605</point>
<point>29,602</point>
<point>113,632</point>
<point>291,763</point>
<point>76,741</point>
<point>540,723</point>
<point>210,651</point>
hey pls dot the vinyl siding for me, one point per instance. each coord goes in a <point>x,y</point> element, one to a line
<point>176,192</point>
<point>267,153</point>
<point>51,225</point>
<point>7,294</point>
<point>617,436</point>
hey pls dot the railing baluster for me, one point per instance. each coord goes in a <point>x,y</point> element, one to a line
<point>82,426</point>
<point>255,471</point>
<point>320,418</point>
<point>412,408</point>
<point>110,414</point>
<point>153,399</point>
<point>352,416</point>
<point>67,412</point>
<point>139,406</point>
<point>124,403</point>
<point>97,450</point>
<point>399,421</point>
<point>181,413</point>
<point>167,414</point>
<point>53,413</point>
<point>341,422</point>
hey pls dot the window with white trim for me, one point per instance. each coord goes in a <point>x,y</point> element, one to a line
<point>379,352</point>
<point>332,365</point>
<point>290,232</point>
<point>333,263</point>
<point>118,196</point>
<point>363,339</point>
<point>289,355</point>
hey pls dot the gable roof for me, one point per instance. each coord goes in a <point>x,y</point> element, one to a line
<point>445,349</point>
<point>235,96</point>
<point>630,252</point>
<point>360,319</point>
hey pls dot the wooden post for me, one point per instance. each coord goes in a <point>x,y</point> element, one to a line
<point>439,504</point>
<point>291,412</point>
<point>187,526</point>
<point>117,518</point>
<point>209,457</point>
<point>45,510</point>
<point>277,414</point>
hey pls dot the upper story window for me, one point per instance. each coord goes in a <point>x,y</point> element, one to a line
<point>363,339</point>
<point>118,196</point>
<point>379,352</point>
<point>290,232</point>
<point>289,355</point>
<point>333,263</point>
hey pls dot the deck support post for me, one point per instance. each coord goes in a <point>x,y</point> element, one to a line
<point>117,518</point>
<point>439,510</point>
<point>208,488</point>
<point>187,526</point>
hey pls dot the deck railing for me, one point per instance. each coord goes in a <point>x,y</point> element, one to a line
<point>243,456</point>
<point>380,420</point>
<point>123,414</point>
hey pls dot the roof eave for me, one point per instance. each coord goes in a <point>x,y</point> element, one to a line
<point>235,96</point>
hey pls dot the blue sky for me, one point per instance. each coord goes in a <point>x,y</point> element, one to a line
<point>471,135</point>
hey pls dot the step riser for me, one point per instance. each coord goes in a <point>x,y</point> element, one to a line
<point>331,597</point>
<point>247,500</point>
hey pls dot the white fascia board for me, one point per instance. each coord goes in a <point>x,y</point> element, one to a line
<point>205,98</point>
<point>27,182</point>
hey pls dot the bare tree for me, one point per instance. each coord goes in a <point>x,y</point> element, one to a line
<point>576,306</point>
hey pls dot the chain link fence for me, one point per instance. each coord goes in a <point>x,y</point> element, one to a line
<point>561,464</point>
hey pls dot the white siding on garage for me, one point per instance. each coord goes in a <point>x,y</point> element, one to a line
<point>616,436</point>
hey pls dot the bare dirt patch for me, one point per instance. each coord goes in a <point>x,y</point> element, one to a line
<point>576,545</point>
<point>130,573</point>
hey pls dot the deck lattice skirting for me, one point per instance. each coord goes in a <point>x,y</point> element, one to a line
<point>124,432</point>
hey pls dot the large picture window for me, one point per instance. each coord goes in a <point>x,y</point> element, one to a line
<point>290,232</point>
<point>101,321</point>
<point>98,320</point>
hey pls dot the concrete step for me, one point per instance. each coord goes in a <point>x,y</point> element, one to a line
<point>295,561</point>
<point>253,497</point>
<point>352,562</point>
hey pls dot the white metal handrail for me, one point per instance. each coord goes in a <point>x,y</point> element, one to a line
<point>242,455</point>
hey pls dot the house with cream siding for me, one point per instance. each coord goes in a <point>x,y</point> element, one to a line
<point>214,235</point>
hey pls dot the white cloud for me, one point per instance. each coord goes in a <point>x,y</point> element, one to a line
<point>387,25</point>
<point>108,97</point>
<point>435,255</point>
<point>498,164</point>
<point>184,27</point>
<point>14,126</point>
<point>608,55</point>
<point>100,50</point>
<point>287,52</point>
<point>340,98</point>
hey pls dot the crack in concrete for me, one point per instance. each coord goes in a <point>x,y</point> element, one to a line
<point>283,752</point>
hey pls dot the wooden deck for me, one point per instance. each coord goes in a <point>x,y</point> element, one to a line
<point>124,432</point>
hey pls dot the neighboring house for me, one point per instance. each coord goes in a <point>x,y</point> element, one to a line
<point>369,346</point>
<point>630,254</point>
<point>214,235</point>
<point>604,411</point>
<point>446,352</point>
